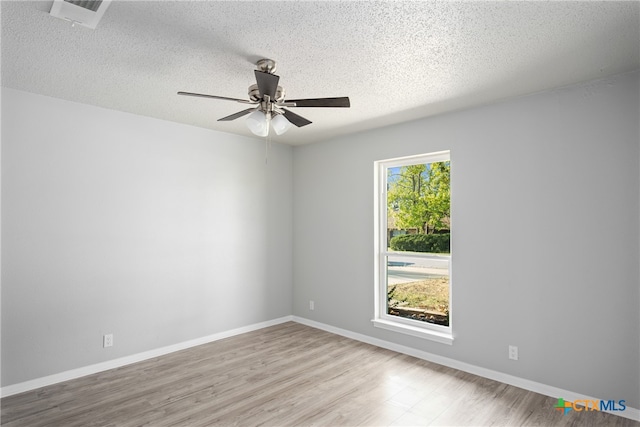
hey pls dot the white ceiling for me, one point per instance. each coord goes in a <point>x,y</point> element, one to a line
<point>397,61</point>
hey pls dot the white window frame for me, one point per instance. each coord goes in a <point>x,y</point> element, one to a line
<point>430,331</point>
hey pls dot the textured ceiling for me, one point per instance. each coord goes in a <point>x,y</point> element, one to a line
<point>397,61</point>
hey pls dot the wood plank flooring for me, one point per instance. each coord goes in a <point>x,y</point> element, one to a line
<point>288,375</point>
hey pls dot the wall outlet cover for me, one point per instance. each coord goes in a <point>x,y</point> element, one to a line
<point>107,340</point>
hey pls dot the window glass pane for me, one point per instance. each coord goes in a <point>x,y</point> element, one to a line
<point>418,202</point>
<point>418,288</point>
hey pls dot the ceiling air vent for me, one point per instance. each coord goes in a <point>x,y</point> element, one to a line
<point>82,12</point>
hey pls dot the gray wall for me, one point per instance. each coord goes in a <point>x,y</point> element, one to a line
<point>154,231</point>
<point>545,193</point>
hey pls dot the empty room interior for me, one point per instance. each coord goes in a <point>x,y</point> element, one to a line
<point>320,213</point>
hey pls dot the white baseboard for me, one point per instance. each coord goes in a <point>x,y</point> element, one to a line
<point>631,413</point>
<point>116,363</point>
<point>547,390</point>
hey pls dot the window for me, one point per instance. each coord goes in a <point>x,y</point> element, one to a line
<point>412,254</point>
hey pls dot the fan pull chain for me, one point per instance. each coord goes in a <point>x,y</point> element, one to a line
<point>267,146</point>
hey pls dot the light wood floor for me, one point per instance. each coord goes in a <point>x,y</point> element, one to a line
<point>288,375</point>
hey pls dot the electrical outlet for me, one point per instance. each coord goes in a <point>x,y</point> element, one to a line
<point>107,340</point>
<point>513,352</point>
<point>312,305</point>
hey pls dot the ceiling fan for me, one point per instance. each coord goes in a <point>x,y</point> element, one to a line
<point>269,101</point>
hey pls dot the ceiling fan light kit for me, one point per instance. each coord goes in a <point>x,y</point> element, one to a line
<point>258,123</point>
<point>269,101</point>
<point>280,124</point>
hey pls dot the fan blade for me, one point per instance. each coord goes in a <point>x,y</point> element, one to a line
<point>236,115</point>
<point>267,83</point>
<point>201,95</point>
<point>321,102</point>
<point>296,119</point>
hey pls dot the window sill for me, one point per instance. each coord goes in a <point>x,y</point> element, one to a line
<point>428,334</point>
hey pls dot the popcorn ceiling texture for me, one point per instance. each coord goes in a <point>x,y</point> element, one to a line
<point>397,61</point>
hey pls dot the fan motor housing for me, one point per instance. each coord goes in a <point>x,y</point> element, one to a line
<point>254,94</point>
